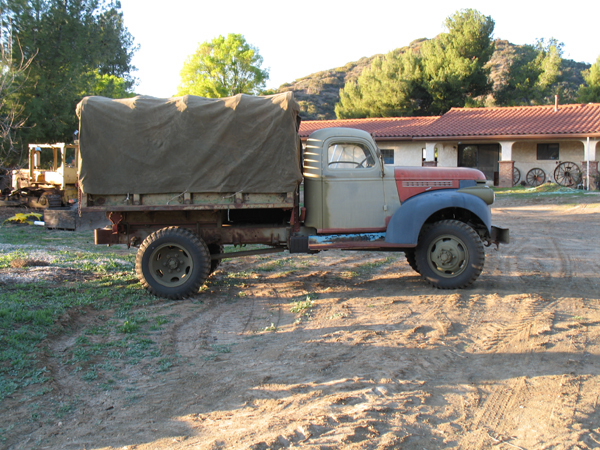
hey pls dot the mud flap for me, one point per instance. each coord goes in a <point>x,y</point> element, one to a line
<point>499,235</point>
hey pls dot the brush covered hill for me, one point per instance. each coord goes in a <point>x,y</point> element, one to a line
<point>318,93</point>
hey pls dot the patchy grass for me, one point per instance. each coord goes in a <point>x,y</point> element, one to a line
<point>32,312</point>
<point>271,327</point>
<point>303,307</point>
<point>283,265</point>
<point>338,315</point>
<point>11,259</point>
<point>369,267</point>
<point>41,237</point>
<point>543,189</point>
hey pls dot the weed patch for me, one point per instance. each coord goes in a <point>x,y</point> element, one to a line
<point>32,312</point>
<point>303,307</point>
<point>370,267</point>
<point>271,327</point>
<point>546,189</point>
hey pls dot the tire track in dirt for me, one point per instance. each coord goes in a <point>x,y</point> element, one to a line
<point>511,411</point>
<point>534,318</point>
<point>514,266</point>
<point>341,413</point>
<point>223,325</point>
<point>528,260</point>
<point>566,394</point>
<point>489,419</point>
<point>555,264</point>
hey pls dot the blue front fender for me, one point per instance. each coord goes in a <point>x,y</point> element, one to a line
<point>406,223</point>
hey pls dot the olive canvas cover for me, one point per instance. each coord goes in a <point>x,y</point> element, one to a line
<point>147,145</point>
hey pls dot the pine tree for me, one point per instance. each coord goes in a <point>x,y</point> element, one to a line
<point>533,76</point>
<point>451,70</point>
<point>455,63</point>
<point>590,92</point>
<point>390,87</point>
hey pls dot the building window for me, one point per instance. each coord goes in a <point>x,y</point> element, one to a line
<point>547,151</point>
<point>388,156</point>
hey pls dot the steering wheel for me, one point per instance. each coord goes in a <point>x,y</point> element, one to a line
<point>360,164</point>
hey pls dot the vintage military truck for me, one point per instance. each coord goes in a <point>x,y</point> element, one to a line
<point>182,177</point>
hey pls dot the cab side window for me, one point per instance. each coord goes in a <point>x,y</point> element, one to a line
<point>349,156</point>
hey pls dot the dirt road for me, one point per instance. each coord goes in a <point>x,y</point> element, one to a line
<point>354,350</point>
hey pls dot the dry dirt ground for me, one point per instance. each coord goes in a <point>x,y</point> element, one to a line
<point>376,359</point>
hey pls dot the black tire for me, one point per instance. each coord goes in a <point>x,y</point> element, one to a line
<point>450,255</point>
<point>215,249</point>
<point>172,263</point>
<point>411,258</point>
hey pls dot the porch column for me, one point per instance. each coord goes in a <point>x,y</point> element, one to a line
<point>589,165</point>
<point>429,154</point>
<point>506,164</point>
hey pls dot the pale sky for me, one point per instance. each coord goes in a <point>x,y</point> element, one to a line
<point>298,38</point>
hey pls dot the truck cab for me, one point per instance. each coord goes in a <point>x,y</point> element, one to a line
<point>439,217</point>
<point>345,183</point>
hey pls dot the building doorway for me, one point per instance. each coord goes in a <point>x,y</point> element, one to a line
<point>484,157</point>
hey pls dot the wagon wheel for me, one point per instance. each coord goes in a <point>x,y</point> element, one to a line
<point>516,176</point>
<point>567,174</point>
<point>535,177</point>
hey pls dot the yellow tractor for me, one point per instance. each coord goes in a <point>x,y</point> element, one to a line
<point>50,180</point>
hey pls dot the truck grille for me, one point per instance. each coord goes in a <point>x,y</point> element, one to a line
<point>431,183</point>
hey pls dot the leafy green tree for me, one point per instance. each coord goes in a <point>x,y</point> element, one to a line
<point>390,87</point>
<point>82,47</point>
<point>455,63</point>
<point>451,70</point>
<point>533,76</point>
<point>590,92</point>
<point>14,69</point>
<point>223,67</point>
<point>106,85</point>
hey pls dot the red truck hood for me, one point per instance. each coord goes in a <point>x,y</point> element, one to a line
<point>415,180</point>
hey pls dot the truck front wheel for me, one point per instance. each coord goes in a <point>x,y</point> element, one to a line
<point>173,263</point>
<point>411,258</point>
<point>450,255</point>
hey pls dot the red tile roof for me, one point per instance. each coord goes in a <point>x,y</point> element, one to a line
<point>506,122</point>
<point>516,121</point>
<point>387,127</point>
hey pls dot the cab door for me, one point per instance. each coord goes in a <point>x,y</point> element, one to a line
<point>352,187</point>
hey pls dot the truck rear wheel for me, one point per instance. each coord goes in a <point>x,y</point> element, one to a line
<point>173,263</point>
<point>450,255</point>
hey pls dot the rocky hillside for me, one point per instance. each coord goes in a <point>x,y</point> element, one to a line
<point>319,92</point>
